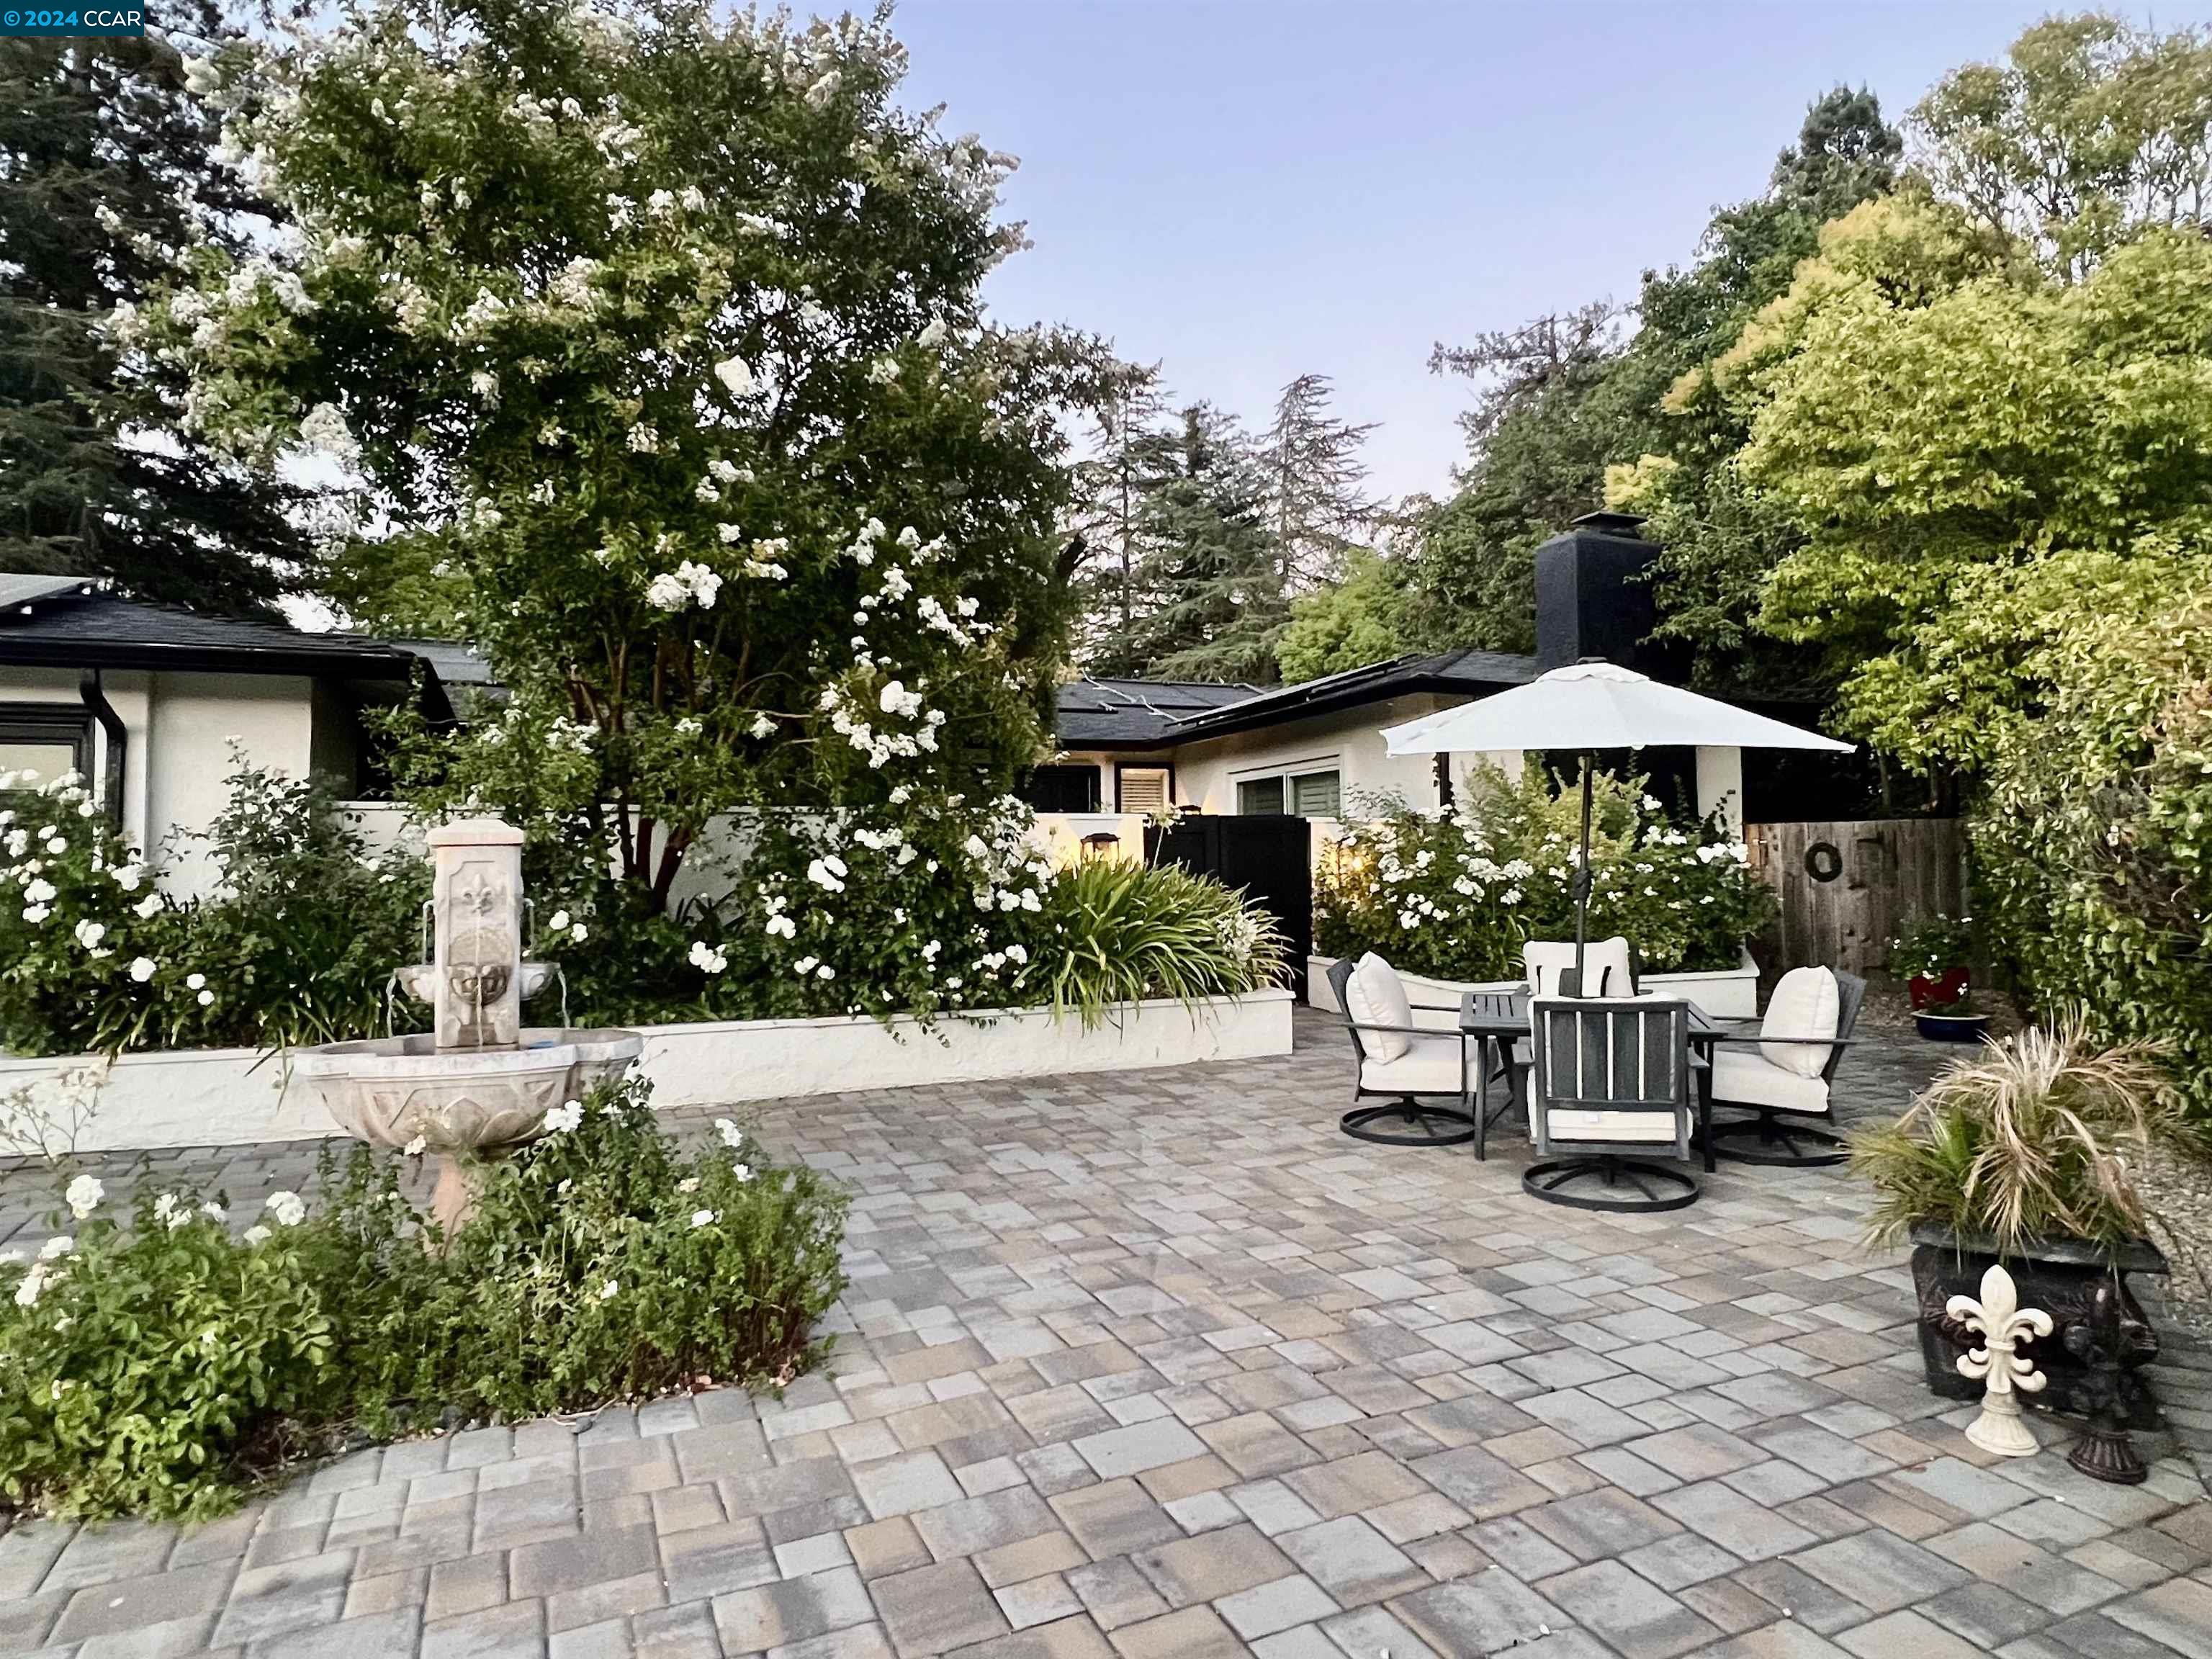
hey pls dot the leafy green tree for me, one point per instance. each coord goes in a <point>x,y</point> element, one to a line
<point>1212,603</point>
<point>664,329</point>
<point>107,171</point>
<point>1350,624</point>
<point>1941,421</point>
<point>1568,396</point>
<point>2091,129</point>
<point>1719,543</point>
<point>2093,835</point>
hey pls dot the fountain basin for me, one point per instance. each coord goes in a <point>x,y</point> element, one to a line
<point>392,1090</point>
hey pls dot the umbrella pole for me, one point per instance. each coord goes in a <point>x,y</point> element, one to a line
<point>1583,879</point>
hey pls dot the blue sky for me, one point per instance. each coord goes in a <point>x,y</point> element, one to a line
<point>1246,190</point>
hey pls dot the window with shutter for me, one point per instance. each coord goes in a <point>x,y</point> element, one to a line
<point>1143,789</point>
<point>1317,795</point>
<point>1260,795</point>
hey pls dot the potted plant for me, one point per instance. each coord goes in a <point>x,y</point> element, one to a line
<point>1933,957</point>
<point>2025,1154</point>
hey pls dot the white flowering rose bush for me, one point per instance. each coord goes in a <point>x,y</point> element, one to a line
<point>159,1362</point>
<point>654,334</point>
<point>1453,893</point>
<point>146,1364</point>
<point>938,905</point>
<point>518,1318</point>
<point>78,918</point>
<point>932,908</point>
<point>295,942</point>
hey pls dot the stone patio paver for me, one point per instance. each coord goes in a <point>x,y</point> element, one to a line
<point>1160,1364</point>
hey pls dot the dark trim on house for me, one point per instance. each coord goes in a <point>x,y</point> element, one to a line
<point>1453,673</point>
<point>50,722</point>
<point>115,748</point>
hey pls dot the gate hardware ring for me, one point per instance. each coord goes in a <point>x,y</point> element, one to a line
<point>1822,861</point>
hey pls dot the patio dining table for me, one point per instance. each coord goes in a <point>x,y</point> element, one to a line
<point>1501,1018</point>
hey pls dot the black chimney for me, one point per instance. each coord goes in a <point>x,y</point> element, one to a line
<point>1592,597</point>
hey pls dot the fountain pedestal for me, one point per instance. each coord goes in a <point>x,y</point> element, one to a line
<point>480,1082</point>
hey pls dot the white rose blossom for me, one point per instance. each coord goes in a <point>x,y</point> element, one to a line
<point>83,1196</point>
<point>286,1209</point>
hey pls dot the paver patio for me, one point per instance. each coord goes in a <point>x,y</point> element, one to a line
<point>1160,1365</point>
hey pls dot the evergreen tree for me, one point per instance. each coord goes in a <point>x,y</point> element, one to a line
<point>1210,600</point>
<point>1131,453</point>
<point>1317,509</point>
<point>1539,436</point>
<point>106,173</point>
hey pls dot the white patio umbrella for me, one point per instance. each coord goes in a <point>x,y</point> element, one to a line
<point>1591,706</point>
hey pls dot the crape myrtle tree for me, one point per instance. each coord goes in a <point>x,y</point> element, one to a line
<point>656,336</point>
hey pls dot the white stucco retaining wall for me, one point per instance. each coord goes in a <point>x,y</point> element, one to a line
<point>1726,993</point>
<point>230,1096</point>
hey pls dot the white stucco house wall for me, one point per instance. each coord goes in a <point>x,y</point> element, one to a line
<point>1314,750</point>
<point>146,702</point>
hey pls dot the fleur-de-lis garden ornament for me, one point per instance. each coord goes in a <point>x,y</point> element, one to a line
<point>2003,1325</point>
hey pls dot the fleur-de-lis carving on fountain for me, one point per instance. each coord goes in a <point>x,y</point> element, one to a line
<point>2003,1325</point>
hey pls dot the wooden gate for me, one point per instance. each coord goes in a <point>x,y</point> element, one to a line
<point>1847,889</point>
<point>1269,856</point>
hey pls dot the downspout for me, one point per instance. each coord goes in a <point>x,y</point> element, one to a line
<point>111,724</point>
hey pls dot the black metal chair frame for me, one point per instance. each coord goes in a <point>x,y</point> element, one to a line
<point>1445,1125</point>
<point>1777,1136</point>
<point>1560,1179</point>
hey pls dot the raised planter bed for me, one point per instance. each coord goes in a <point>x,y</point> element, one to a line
<point>1725,993</point>
<point>231,1097</point>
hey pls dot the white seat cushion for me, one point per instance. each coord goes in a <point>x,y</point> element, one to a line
<point>1624,1128</point>
<point>1429,1065</point>
<point>1805,1004</point>
<point>1376,996</point>
<point>1604,966</point>
<point>1745,1077</point>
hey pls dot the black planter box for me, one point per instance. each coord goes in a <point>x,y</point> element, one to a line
<point>2060,1277</point>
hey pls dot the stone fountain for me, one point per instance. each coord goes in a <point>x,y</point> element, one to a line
<point>480,1082</point>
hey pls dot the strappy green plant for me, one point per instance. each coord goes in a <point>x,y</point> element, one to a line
<point>1125,931</point>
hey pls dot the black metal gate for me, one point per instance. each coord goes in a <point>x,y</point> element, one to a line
<point>1269,857</point>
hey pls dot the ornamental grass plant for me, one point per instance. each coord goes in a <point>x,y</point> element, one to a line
<point>2036,1138</point>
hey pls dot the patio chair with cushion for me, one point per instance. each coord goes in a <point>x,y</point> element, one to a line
<point>1609,1091</point>
<point>1785,1074</point>
<point>1400,1056</point>
<point>1608,966</point>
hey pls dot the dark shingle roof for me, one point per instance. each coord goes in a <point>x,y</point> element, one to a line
<point>457,663</point>
<point>79,625</point>
<point>18,589</point>
<point>1462,672</point>
<point>1102,714</point>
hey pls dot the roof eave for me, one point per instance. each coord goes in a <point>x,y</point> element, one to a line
<point>203,659</point>
<point>1233,719</point>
